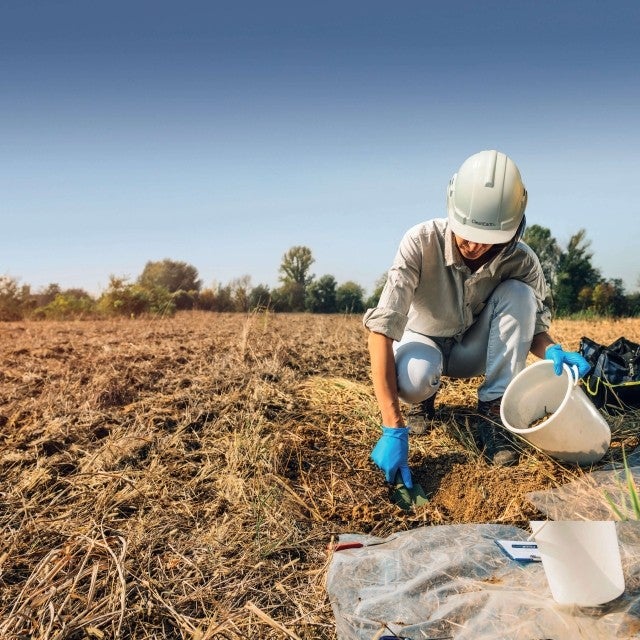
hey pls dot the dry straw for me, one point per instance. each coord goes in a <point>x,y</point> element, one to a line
<point>182,478</point>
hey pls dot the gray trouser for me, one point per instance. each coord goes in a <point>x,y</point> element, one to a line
<point>496,345</point>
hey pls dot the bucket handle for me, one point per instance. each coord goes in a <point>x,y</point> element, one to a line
<point>576,374</point>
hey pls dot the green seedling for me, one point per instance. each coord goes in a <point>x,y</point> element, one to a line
<point>621,511</point>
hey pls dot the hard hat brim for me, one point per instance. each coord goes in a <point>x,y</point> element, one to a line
<point>482,236</point>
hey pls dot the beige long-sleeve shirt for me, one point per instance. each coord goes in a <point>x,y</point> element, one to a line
<point>431,290</point>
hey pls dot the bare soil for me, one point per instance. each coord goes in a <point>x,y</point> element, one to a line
<point>183,477</point>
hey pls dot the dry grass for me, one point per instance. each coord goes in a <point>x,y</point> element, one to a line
<point>182,478</point>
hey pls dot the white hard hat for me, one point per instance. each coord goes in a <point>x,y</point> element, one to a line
<point>486,199</point>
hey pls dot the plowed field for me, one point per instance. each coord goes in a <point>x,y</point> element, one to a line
<point>182,477</point>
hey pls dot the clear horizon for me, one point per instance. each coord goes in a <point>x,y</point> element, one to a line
<point>222,134</point>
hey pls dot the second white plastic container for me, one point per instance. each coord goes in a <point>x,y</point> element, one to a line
<point>581,560</point>
<point>574,431</point>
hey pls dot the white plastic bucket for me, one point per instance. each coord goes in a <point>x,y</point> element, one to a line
<point>581,560</point>
<point>574,432</point>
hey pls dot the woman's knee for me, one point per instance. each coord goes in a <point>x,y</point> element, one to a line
<point>419,370</point>
<point>518,295</point>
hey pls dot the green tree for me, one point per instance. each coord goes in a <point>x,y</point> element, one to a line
<point>224,299</point>
<point>320,295</point>
<point>574,273</point>
<point>602,298</point>
<point>217,298</point>
<point>294,276</point>
<point>206,300</point>
<point>240,288</point>
<point>633,304</point>
<point>185,300</point>
<point>289,297</point>
<point>620,302</point>
<point>259,297</point>
<point>170,274</point>
<point>585,298</point>
<point>295,266</point>
<point>349,298</point>
<point>14,298</point>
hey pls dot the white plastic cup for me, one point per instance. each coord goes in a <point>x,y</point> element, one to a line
<point>574,432</point>
<point>581,560</point>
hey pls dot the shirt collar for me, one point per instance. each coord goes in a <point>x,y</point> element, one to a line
<point>452,256</point>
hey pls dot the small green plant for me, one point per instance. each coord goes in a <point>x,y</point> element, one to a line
<point>623,512</point>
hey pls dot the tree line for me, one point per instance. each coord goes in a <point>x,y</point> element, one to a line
<point>575,285</point>
<point>167,286</point>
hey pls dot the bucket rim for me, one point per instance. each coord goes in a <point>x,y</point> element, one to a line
<point>570,383</point>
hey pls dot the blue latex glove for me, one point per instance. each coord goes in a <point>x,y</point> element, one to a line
<point>559,357</point>
<point>391,454</point>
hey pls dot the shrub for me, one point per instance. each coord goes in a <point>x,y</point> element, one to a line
<point>123,298</point>
<point>68,304</point>
<point>13,299</point>
<point>184,300</point>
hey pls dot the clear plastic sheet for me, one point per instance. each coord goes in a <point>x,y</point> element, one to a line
<point>455,582</point>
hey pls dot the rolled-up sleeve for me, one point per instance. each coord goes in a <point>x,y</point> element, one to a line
<point>386,321</point>
<point>390,316</point>
<point>543,315</point>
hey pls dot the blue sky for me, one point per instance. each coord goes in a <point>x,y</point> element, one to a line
<point>224,133</point>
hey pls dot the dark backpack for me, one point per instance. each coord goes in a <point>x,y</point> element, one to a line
<point>613,383</point>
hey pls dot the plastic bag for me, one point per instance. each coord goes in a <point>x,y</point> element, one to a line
<point>455,582</point>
